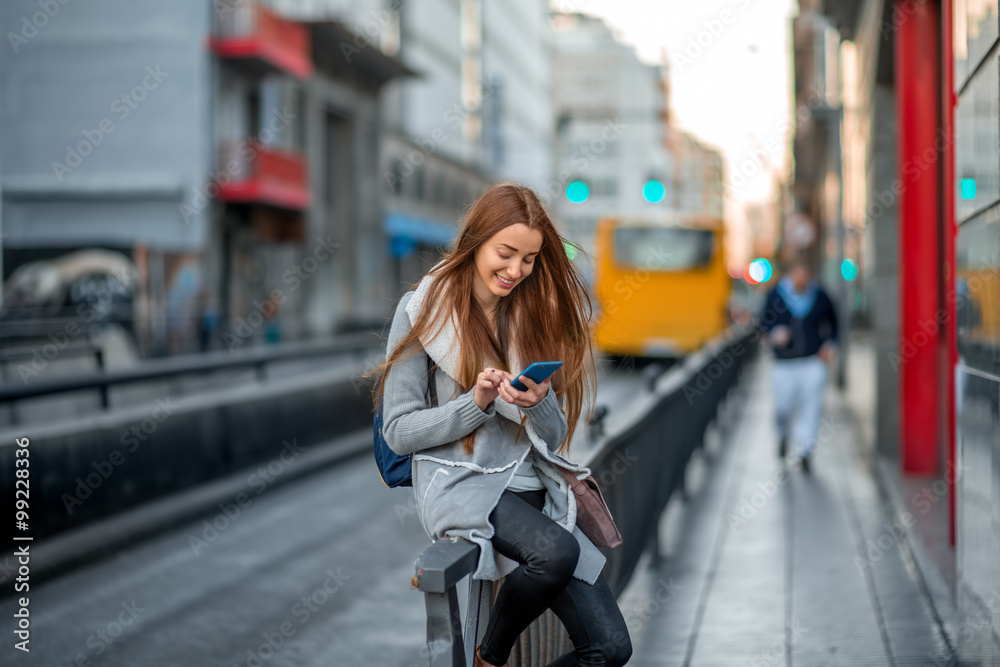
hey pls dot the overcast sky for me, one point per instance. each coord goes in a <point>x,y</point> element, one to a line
<point>730,70</point>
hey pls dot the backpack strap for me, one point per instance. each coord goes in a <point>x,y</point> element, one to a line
<point>431,382</point>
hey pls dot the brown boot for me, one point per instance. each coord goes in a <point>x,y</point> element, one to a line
<point>479,662</point>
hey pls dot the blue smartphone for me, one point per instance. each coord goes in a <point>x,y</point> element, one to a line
<point>538,371</point>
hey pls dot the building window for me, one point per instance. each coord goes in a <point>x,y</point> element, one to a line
<point>396,179</point>
<point>604,187</point>
<point>419,193</point>
<point>279,118</point>
<point>298,123</point>
<point>437,196</point>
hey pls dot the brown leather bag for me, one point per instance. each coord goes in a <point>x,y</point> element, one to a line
<point>592,513</point>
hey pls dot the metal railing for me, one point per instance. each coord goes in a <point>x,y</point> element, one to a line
<point>193,364</point>
<point>83,350</point>
<point>638,466</point>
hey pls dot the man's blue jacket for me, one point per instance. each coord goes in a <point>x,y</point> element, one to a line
<point>809,332</point>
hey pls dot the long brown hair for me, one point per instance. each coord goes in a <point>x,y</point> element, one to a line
<point>551,305</point>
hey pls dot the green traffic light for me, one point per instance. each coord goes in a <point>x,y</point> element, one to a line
<point>848,269</point>
<point>653,191</point>
<point>577,192</point>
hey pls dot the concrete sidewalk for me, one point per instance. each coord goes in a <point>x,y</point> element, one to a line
<point>768,565</point>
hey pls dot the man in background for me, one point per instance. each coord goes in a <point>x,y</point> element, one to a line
<point>801,326</point>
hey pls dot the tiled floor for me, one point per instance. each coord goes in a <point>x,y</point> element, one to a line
<point>769,565</point>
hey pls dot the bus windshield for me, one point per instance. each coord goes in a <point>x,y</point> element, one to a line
<point>662,248</point>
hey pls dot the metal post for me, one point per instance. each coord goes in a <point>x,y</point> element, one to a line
<point>833,117</point>
<point>836,120</point>
<point>444,629</point>
<point>477,613</point>
<point>949,232</point>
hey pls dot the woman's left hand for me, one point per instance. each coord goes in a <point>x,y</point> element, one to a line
<point>524,399</point>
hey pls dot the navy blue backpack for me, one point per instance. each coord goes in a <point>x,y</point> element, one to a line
<point>395,469</point>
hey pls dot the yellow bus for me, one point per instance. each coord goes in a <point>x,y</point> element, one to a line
<point>662,289</point>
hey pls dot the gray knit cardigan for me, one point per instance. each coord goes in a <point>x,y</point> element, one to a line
<point>455,492</point>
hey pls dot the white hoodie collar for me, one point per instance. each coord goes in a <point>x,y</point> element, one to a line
<point>444,347</point>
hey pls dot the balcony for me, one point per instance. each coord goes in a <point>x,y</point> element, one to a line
<point>261,40</point>
<point>263,175</point>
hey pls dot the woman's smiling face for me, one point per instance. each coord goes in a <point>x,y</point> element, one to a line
<point>504,261</point>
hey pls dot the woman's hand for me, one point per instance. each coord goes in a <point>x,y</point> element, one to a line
<point>486,387</point>
<point>533,394</point>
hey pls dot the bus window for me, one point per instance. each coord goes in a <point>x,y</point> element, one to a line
<point>662,248</point>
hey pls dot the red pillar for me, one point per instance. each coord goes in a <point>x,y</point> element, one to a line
<point>918,104</point>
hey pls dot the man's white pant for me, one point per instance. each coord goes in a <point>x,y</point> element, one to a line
<point>798,400</point>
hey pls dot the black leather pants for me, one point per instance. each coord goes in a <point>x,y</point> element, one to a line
<point>548,555</point>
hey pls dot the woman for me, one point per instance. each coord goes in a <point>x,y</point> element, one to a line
<point>487,470</point>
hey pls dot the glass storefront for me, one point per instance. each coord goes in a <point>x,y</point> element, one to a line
<point>977,300</point>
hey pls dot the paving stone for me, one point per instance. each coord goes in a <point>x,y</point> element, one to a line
<point>793,583</point>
